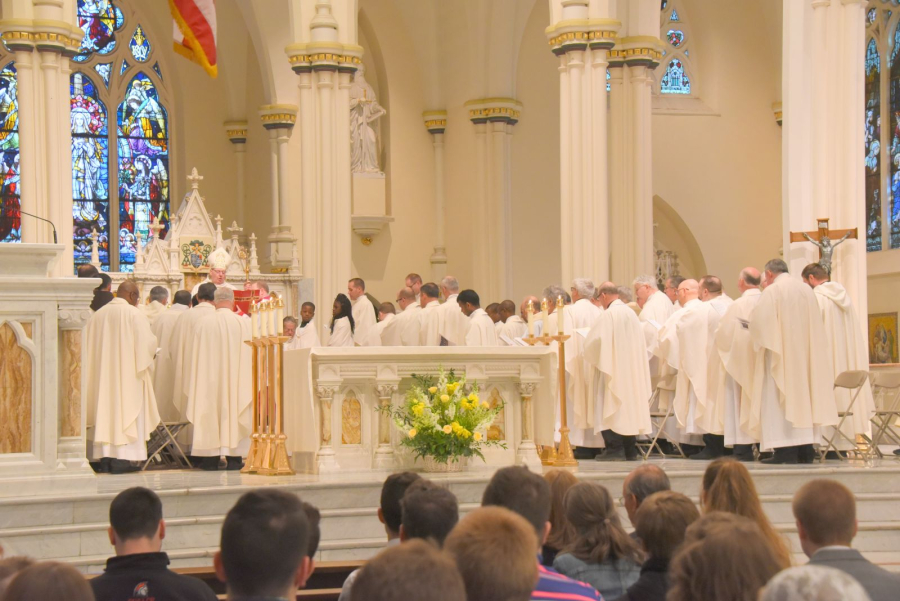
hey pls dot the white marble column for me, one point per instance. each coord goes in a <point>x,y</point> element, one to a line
<point>279,119</point>
<point>436,123</point>
<point>620,213</point>
<point>237,135</point>
<point>384,452</point>
<point>326,460</point>
<point>526,452</point>
<point>71,449</point>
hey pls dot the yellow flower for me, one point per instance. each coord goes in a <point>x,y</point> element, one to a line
<point>473,397</point>
<point>486,405</point>
<point>433,389</point>
<point>477,436</point>
<point>452,387</point>
<point>445,398</point>
<point>455,426</point>
<point>412,433</point>
<point>418,408</point>
<point>447,429</point>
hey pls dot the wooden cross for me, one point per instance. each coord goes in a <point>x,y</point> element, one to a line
<point>822,233</point>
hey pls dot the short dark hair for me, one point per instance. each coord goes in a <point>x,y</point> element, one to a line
<point>662,520</point>
<point>827,511</point>
<point>206,292</point>
<point>315,533</point>
<point>358,283</point>
<point>429,512</point>
<point>816,270</point>
<point>387,308</point>
<point>523,492</point>
<point>430,290</point>
<point>398,574</point>
<point>135,513</point>
<point>86,270</point>
<point>264,539</point>
<point>182,297</point>
<point>308,304</point>
<point>469,296</point>
<point>646,480</point>
<point>415,278</point>
<point>392,492</point>
<point>105,281</point>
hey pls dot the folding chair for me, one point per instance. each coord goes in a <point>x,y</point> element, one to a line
<point>851,380</point>
<point>886,389</point>
<point>658,419</point>
<point>164,450</point>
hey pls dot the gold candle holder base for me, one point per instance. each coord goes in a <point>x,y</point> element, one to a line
<point>250,465</point>
<point>282,463</point>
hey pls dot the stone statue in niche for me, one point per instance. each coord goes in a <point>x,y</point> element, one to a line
<point>364,112</point>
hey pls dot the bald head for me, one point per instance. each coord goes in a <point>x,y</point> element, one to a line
<point>710,287</point>
<point>535,305</point>
<point>609,293</point>
<point>405,297</point>
<point>128,291</point>
<point>640,484</point>
<point>688,290</point>
<point>749,279</point>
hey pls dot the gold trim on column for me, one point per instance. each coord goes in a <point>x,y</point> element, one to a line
<point>435,121</point>
<point>236,131</point>
<point>278,116</point>
<point>324,56</point>
<point>779,114</point>
<point>505,110</point>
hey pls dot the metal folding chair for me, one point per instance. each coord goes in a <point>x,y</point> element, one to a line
<point>658,419</point>
<point>163,450</point>
<point>885,429</point>
<point>851,380</point>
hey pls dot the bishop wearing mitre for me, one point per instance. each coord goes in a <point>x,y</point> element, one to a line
<point>219,396</point>
<point>362,309</point>
<point>849,352</point>
<point>218,265</point>
<point>121,406</point>
<point>617,354</point>
<point>792,384</point>
<point>163,328</point>
<point>735,349</point>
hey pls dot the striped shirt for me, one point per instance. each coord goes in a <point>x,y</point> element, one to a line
<point>553,586</point>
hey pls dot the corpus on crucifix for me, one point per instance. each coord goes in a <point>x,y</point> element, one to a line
<point>823,239</point>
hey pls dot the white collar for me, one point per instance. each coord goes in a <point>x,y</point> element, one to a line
<point>751,292</point>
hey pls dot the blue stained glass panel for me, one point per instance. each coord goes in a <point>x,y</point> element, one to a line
<point>157,69</point>
<point>87,217</point>
<point>10,217</point>
<point>873,147</point>
<point>675,37</point>
<point>675,80</point>
<point>136,217</point>
<point>103,69</point>
<point>608,77</point>
<point>124,67</point>
<point>140,46</point>
<point>894,153</point>
<point>674,16</point>
<point>98,19</point>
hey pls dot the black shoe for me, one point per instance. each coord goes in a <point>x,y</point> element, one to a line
<point>896,451</point>
<point>835,455</point>
<point>209,464</point>
<point>233,463</point>
<point>707,454</point>
<point>102,466</point>
<point>612,455</point>
<point>120,466</point>
<point>783,456</point>
<point>690,449</point>
<point>806,453</point>
<point>743,452</point>
<point>585,452</point>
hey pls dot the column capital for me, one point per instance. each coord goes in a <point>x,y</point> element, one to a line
<point>236,131</point>
<point>324,56</point>
<point>503,110</point>
<point>779,112</point>
<point>636,51</point>
<point>581,34</point>
<point>435,121</point>
<point>278,116</point>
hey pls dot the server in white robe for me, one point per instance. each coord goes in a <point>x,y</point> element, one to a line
<point>481,329</point>
<point>306,336</point>
<point>409,323</point>
<point>164,368</point>
<point>220,397</point>
<point>363,311</point>
<point>583,314</point>
<point>617,355</point>
<point>792,384</point>
<point>387,331</point>
<point>218,264</point>
<point>180,345</point>
<point>738,363</point>
<point>342,324</point>
<point>156,303</point>
<point>430,316</point>
<point>493,311</point>
<point>121,407</point>
<point>513,325</point>
<point>849,351</point>
<point>453,324</point>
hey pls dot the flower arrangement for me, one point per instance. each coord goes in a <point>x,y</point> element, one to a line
<point>441,421</point>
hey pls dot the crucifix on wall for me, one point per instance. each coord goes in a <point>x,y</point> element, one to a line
<point>822,238</point>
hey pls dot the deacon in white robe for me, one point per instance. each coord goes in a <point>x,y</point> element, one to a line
<point>156,305</point>
<point>738,357</point>
<point>849,351</point>
<point>164,369</point>
<point>409,323</point>
<point>513,325</point>
<point>181,342</point>
<point>387,330</point>
<point>429,316</point>
<point>218,264</point>
<point>481,329</point>
<point>220,395</point>
<point>363,311</point>
<point>583,315</point>
<point>617,355</point>
<point>792,384</point>
<point>121,407</point>
<point>453,324</point>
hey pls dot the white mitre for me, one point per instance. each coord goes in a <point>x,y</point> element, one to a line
<point>219,259</point>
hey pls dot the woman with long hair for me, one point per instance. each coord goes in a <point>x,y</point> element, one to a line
<point>601,554</point>
<point>561,531</point>
<point>342,324</point>
<point>728,487</point>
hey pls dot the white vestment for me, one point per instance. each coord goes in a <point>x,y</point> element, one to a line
<point>342,333</point>
<point>305,337</point>
<point>481,330</point>
<point>583,315</point>
<point>208,281</point>
<point>738,364</point>
<point>454,323</point>
<point>430,324</point>
<point>682,429</point>
<point>515,327</point>
<point>364,319</point>
<point>152,310</point>
<point>616,352</point>
<point>179,351</point>
<point>792,384</point>
<point>388,332</point>
<point>119,350</point>
<point>164,369</point>
<point>712,419</point>
<point>409,324</point>
<point>220,397</point>
<point>849,351</point>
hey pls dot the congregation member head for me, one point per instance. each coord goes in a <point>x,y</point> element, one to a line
<point>206,293</point>
<point>414,282</point>
<point>644,286</point>
<point>86,270</point>
<point>49,580</point>
<point>307,312</point>
<point>429,512</point>
<point>814,275</point>
<point>182,297</point>
<point>390,511</point>
<point>535,306</point>
<point>468,302</point>
<point>814,583</point>
<point>356,288</point>
<point>449,286</point>
<point>415,571</point>
<point>642,482</point>
<point>314,518</point>
<point>342,309</point>
<point>671,289</point>
<point>749,279</point>
<point>561,531</point>
<point>385,309</point>
<point>493,311</point>
<point>773,269</point>
<point>128,291</point>
<point>430,293</point>
<point>582,289</point>
<point>9,567</point>
<point>290,326</point>
<point>405,298</point>
<point>724,557</point>
<point>710,287</point>
<point>493,550</point>
<point>265,541</point>
<point>728,487</point>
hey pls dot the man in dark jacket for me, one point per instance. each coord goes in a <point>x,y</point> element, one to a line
<point>140,569</point>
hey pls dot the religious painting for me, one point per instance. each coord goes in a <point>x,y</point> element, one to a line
<point>10,216</point>
<point>883,338</point>
<point>195,253</point>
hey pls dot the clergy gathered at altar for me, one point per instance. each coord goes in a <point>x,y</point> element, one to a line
<point>706,374</point>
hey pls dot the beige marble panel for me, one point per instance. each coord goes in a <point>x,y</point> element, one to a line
<point>28,326</point>
<point>496,429</point>
<point>351,419</point>
<point>15,394</point>
<point>70,377</point>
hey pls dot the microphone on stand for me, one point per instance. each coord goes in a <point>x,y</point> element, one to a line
<point>55,241</point>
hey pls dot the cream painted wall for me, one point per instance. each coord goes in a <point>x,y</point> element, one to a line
<point>258,189</point>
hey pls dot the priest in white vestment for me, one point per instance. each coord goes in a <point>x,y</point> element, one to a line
<point>513,325</point>
<point>121,407</point>
<point>738,363</point>
<point>220,396</point>
<point>181,342</point>
<point>583,314</point>
<point>792,384</point>
<point>430,316</point>
<point>387,331</point>
<point>409,323</point>
<point>453,324</point>
<point>849,352</point>
<point>363,311</point>
<point>342,323</point>
<point>218,265</point>
<point>156,303</point>
<point>616,354</point>
<point>414,282</point>
<point>164,368</point>
<point>481,330</point>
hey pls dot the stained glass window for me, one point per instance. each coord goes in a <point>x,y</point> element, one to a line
<point>675,37</point>
<point>10,217</point>
<point>675,76</point>
<point>674,16</point>
<point>873,147</point>
<point>120,137</point>
<point>674,80</point>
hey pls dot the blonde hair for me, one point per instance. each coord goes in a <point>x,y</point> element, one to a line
<point>561,531</point>
<point>599,533</point>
